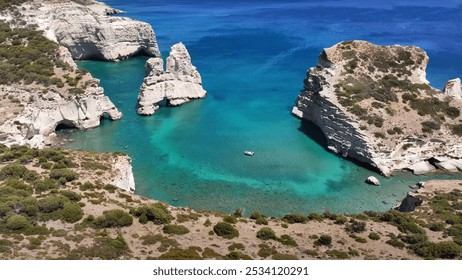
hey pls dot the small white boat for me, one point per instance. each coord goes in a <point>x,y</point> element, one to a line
<point>249,153</point>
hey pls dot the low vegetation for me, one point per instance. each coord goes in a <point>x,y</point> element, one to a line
<point>52,219</point>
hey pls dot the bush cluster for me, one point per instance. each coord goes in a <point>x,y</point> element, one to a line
<point>225,230</point>
<point>156,213</point>
<point>113,219</point>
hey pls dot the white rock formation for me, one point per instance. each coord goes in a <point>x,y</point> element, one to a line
<point>43,113</point>
<point>373,79</point>
<point>373,181</point>
<point>89,31</point>
<point>178,84</point>
<point>124,178</point>
<point>421,167</point>
<point>453,88</point>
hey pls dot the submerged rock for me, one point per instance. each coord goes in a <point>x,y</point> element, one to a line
<point>178,84</point>
<point>373,181</point>
<point>89,31</point>
<point>374,104</point>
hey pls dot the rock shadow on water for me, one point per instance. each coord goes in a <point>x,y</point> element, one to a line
<point>315,133</point>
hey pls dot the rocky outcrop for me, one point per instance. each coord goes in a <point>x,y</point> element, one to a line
<point>453,88</point>
<point>124,178</point>
<point>42,113</point>
<point>89,31</point>
<point>178,84</point>
<point>374,104</point>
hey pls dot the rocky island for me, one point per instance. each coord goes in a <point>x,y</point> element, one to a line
<point>176,85</point>
<point>374,104</point>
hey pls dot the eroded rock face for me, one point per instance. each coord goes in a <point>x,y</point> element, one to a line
<point>453,88</point>
<point>374,104</point>
<point>178,84</point>
<point>89,31</point>
<point>124,178</point>
<point>42,113</point>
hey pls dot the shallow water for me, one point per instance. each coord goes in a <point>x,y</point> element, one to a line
<point>253,56</point>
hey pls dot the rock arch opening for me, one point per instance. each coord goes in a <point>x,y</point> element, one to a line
<point>65,125</point>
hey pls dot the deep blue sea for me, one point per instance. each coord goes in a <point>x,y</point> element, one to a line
<point>253,56</point>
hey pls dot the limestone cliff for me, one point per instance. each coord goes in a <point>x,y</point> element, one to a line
<point>38,115</point>
<point>178,84</point>
<point>124,178</point>
<point>89,31</point>
<point>374,104</point>
<point>30,113</point>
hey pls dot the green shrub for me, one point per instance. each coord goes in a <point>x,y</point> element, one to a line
<point>104,248</point>
<point>52,203</point>
<point>337,254</point>
<point>261,221</point>
<point>17,171</point>
<point>294,218</point>
<point>279,256</point>
<point>266,233</point>
<point>452,112</point>
<point>236,246</point>
<point>113,219</point>
<point>374,236</point>
<point>396,243</point>
<point>45,185</point>
<point>230,219</point>
<point>287,240</point>
<point>324,239</point>
<point>441,250</point>
<point>73,196</point>
<point>429,126</point>
<point>28,206</point>
<point>72,212</point>
<point>356,226</point>
<point>65,173</point>
<point>175,229</point>
<point>437,227</point>
<point>255,215</point>
<point>181,254</point>
<point>266,251</point>
<point>157,213</point>
<point>315,217</point>
<point>225,230</point>
<point>340,220</point>
<point>37,230</point>
<point>457,129</point>
<point>17,222</point>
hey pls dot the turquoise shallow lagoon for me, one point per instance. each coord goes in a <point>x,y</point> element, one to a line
<point>253,56</point>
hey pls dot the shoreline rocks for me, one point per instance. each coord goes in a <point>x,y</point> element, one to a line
<point>90,31</point>
<point>374,104</point>
<point>177,84</point>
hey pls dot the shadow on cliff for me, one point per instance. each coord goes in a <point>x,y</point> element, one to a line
<point>315,133</point>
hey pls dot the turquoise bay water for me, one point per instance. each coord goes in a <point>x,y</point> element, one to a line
<point>253,56</point>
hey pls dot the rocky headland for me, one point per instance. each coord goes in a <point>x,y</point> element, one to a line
<point>42,90</point>
<point>374,104</point>
<point>88,29</point>
<point>177,84</point>
<point>41,87</point>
